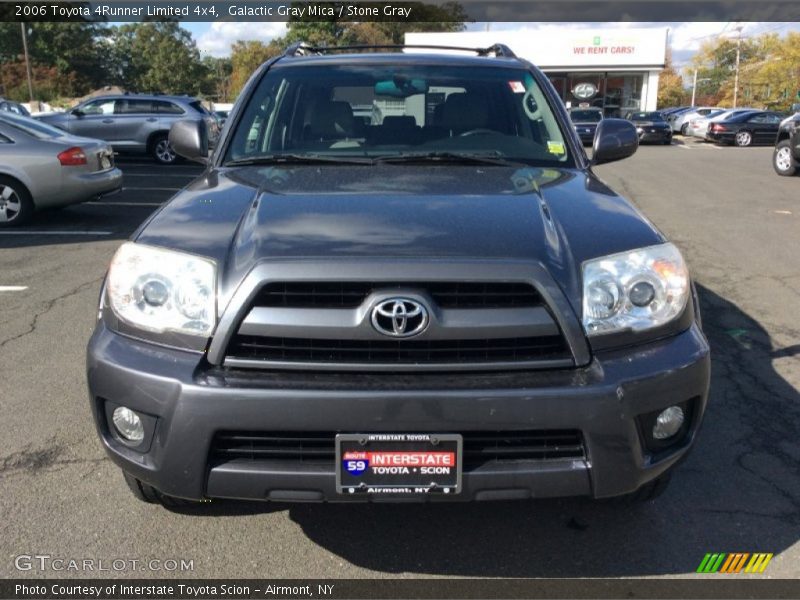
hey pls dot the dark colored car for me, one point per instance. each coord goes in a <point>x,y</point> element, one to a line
<point>746,129</point>
<point>651,127</point>
<point>442,303</point>
<point>585,121</point>
<point>786,157</point>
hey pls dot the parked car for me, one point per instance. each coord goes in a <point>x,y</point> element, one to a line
<point>585,121</point>
<point>447,304</point>
<point>700,126</point>
<point>135,123</point>
<point>786,157</point>
<point>697,126</point>
<point>13,107</point>
<point>651,127</point>
<point>43,167</point>
<point>681,121</point>
<point>745,129</point>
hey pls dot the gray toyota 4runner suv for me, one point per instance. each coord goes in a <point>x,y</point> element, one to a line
<point>398,278</point>
<point>134,123</point>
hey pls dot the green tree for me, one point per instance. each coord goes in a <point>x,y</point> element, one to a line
<point>246,57</point>
<point>155,57</point>
<point>670,86</point>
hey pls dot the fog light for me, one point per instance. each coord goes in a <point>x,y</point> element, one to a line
<point>128,424</point>
<point>668,423</point>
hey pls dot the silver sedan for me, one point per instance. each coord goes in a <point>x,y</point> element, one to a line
<point>43,167</point>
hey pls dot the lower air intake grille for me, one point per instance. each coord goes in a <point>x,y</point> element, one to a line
<point>398,352</point>
<point>480,447</point>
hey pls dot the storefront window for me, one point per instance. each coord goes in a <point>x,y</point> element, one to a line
<point>624,94</point>
<point>616,93</point>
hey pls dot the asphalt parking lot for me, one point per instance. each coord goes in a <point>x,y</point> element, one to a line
<point>737,223</point>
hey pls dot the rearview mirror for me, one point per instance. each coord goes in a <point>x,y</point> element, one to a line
<point>401,88</point>
<point>189,138</point>
<point>614,139</point>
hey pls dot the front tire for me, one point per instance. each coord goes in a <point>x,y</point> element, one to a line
<point>743,139</point>
<point>16,205</point>
<point>782,160</point>
<point>145,492</point>
<point>162,152</point>
<point>684,127</point>
<point>648,492</point>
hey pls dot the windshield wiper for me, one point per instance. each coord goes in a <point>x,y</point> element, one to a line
<point>297,159</point>
<point>494,158</point>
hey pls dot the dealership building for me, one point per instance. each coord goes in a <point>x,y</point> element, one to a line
<point>613,69</point>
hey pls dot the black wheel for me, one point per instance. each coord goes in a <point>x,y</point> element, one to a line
<point>147,493</point>
<point>648,492</point>
<point>783,161</point>
<point>161,150</point>
<point>16,205</point>
<point>684,127</point>
<point>667,142</point>
<point>743,139</point>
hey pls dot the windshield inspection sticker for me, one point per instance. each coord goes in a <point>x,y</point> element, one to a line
<point>555,147</point>
<point>516,87</point>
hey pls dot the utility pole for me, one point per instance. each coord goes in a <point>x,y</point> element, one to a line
<point>738,57</point>
<point>27,62</point>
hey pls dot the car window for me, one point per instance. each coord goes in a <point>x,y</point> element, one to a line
<point>393,109</point>
<point>198,106</point>
<point>31,127</point>
<point>646,116</point>
<point>585,116</point>
<point>98,107</point>
<point>169,108</point>
<point>134,106</point>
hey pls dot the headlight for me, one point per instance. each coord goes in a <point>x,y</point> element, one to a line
<point>163,291</point>
<point>636,290</point>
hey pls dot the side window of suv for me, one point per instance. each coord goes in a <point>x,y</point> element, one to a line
<point>163,107</point>
<point>134,106</point>
<point>99,107</point>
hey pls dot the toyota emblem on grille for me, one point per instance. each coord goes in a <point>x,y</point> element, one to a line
<point>399,317</point>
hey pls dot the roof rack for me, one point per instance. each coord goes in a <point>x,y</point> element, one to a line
<point>305,49</point>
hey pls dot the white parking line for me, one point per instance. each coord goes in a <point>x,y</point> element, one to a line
<point>54,232</point>
<point>101,203</point>
<point>13,288</point>
<point>683,147</point>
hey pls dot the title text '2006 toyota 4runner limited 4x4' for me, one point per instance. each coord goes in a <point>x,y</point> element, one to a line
<point>398,278</point>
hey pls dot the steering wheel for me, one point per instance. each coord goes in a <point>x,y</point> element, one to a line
<point>479,131</point>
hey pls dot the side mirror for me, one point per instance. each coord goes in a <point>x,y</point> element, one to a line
<point>78,112</point>
<point>614,139</point>
<point>189,138</point>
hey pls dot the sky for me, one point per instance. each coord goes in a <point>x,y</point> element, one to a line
<point>216,38</point>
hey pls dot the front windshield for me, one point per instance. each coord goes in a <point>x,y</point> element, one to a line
<point>376,111</point>
<point>31,126</point>
<point>586,116</point>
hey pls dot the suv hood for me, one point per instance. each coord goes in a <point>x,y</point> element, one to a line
<point>241,216</point>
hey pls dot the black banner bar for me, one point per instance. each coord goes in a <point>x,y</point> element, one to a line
<point>401,11</point>
<point>732,587</point>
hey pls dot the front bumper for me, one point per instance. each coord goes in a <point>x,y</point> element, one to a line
<point>189,402</point>
<point>656,135</point>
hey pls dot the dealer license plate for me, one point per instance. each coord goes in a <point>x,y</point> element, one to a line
<point>398,463</point>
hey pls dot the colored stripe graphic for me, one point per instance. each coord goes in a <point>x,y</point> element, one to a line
<point>722,562</point>
<point>758,563</point>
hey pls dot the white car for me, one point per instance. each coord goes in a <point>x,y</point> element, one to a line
<point>681,122</point>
